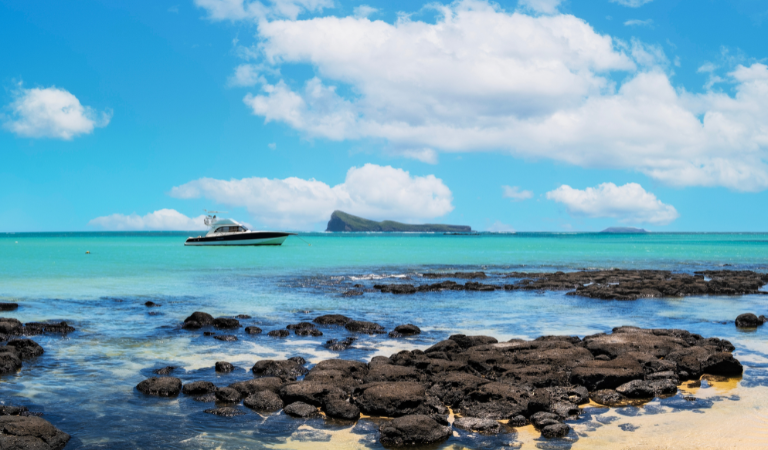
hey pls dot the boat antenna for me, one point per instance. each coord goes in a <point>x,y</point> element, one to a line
<point>216,212</point>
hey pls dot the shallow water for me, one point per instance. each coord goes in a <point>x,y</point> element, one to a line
<point>84,383</point>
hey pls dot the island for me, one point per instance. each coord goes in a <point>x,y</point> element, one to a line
<point>624,230</point>
<point>341,221</point>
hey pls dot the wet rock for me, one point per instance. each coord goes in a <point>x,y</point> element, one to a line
<point>334,378</point>
<point>664,387</point>
<point>308,332</point>
<point>30,432</point>
<point>447,346</point>
<point>415,429</point>
<point>226,411</point>
<point>358,326</point>
<point>8,306</point>
<point>249,387</point>
<point>341,409</point>
<point>154,313</point>
<point>388,372</point>
<point>298,360</point>
<point>266,401</point>
<point>161,387</point>
<point>300,325</point>
<point>225,323</point>
<point>285,369</point>
<point>228,395</point>
<point>453,387</point>
<point>206,398</point>
<point>637,389</point>
<point>466,342</point>
<point>301,410</point>
<point>392,399</point>
<point>339,345</point>
<point>209,333</point>
<point>352,293</point>
<point>556,430</point>
<point>398,289</point>
<point>495,401</point>
<point>458,275</point>
<point>165,370</point>
<point>332,319</point>
<point>242,316</point>
<point>224,367</point>
<point>405,330</point>
<point>353,369</point>
<point>226,338</point>
<point>11,327</point>
<point>151,304</point>
<point>279,333</point>
<point>199,388</point>
<point>484,426</point>
<point>518,421</point>
<point>253,330</point>
<point>596,375</point>
<point>197,320</point>
<point>11,410</point>
<point>748,320</point>
<point>542,419</point>
<point>565,410</point>
<point>310,392</point>
<point>26,348</point>
<point>572,394</point>
<point>607,397</point>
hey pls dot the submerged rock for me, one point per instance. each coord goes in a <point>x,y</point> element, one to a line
<point>161,387</point>
<point>10,360</point>
<point>226,323</point>
<point>279,333</point>
<point>226,411</point>
<point>358,326</point>
<point>165,370</point>
<point>151,304</point>
<point>332,319</point>
<point>415,429</point>
<point>228,395</point>
<point>226,338</point>
<point>338,345</point>
<point>30,432</point>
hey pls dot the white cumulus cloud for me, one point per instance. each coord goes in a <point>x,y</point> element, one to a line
<point>160,220</point>
<point>639,23</point>
<point>52,113</point>
<point>632,3</point>
<point>371,191</point>
<point>483,79</point>
<point>516,194</point>
<point>629,203</point>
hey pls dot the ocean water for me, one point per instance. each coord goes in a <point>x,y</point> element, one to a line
<point>85,382</point>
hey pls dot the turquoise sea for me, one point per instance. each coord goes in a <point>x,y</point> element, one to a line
<point>84,383</point>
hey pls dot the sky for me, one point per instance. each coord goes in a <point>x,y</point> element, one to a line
<point>529,115</point>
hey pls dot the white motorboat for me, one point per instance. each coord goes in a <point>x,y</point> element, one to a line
<point>230,232</point>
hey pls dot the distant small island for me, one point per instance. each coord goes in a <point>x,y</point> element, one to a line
<point>341,221</point>
<point>624,230</point>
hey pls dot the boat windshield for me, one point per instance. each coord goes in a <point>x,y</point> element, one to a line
<point>230,229</point>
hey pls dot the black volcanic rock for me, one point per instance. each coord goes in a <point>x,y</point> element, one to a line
<point>332,319</point>
<point>411,430</point>
<point>30,433</point>
<point>748,320</point>
<point>8,306</point>
<point>161,387</point>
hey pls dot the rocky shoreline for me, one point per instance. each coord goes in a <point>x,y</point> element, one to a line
<point>616,284</point>
<point>473,383</point>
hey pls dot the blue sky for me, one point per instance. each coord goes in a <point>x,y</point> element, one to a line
<point>538,115</point>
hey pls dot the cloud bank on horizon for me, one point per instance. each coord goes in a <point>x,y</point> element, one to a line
<point>52,113</point>
<point>543,86</point>
<point>160,220</point>
<point>371,191</point>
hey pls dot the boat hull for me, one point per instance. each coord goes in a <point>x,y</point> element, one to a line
<point>239,239</point>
